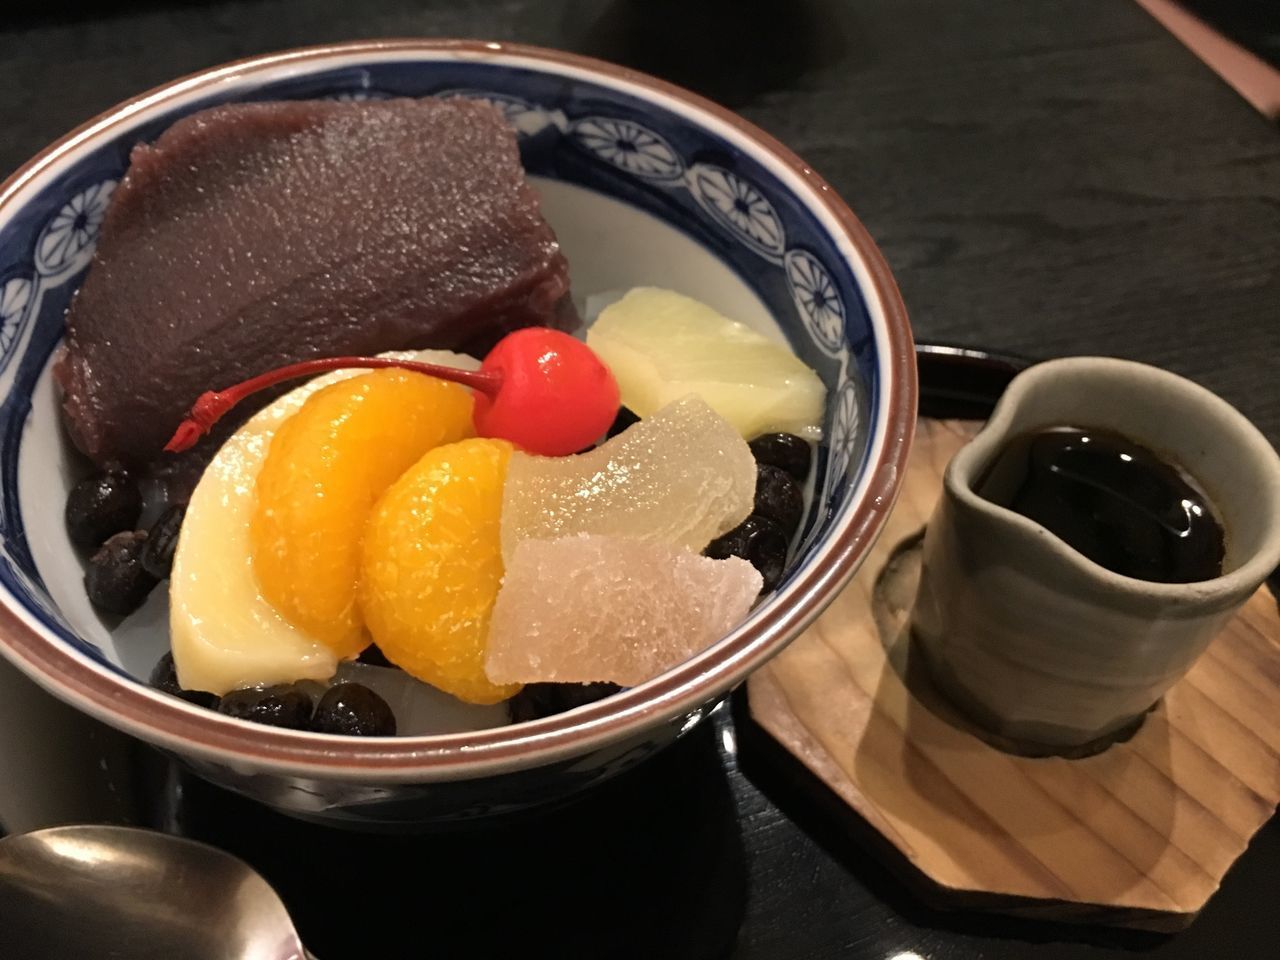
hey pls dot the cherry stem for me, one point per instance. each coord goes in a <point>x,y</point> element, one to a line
<point>212,405</point>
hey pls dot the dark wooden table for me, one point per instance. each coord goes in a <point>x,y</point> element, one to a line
<point>1045,178</point>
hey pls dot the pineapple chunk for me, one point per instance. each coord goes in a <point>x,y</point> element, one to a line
<point>662,345</point>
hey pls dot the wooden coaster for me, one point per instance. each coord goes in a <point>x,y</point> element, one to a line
<point>1139,835</point>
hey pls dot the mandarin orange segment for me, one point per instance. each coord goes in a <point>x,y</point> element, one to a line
<point>325,469</point>
<point>432,566</point>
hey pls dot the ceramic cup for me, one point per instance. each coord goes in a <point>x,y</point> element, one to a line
<point>1042,646</point>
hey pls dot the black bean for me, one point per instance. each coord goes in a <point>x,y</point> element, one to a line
<point>102,504</point>
<point>283,705</point>
<point>760,542</point>
<point>164,677</point>
<point>162,541</point>
<point>353,710</point>
<point>114,578</point>
<point>779,498</point>
<point>785,451</point>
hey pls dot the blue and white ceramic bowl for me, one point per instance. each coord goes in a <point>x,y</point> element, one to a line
<point>644,183</point>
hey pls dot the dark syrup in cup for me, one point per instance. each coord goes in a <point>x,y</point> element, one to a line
<point>1111,499</point>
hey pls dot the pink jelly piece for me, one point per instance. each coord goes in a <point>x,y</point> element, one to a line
<point>591,608</point>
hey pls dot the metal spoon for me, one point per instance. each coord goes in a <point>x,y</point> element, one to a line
<point>125,894</point>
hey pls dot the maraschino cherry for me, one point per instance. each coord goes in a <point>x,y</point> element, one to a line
<point>539,388</point>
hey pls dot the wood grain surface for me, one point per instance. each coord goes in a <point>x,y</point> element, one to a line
<point>1138,835</point>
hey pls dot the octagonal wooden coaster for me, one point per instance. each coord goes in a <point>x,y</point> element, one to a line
<point>1139,835</point>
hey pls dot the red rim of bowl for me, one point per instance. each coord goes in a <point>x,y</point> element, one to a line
<point>187,729</point>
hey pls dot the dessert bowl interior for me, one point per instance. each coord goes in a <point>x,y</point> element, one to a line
<point>644,184</point>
